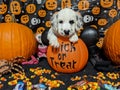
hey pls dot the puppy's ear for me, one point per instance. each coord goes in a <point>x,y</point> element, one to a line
<point>53,20</point>
<point>79,23</point>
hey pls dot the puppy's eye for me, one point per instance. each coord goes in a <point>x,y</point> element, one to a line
<point>61,21</point>
<point>71,21</point>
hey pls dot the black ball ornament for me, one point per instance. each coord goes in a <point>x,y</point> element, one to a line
<point>44,39</point>
<point>90,36</point>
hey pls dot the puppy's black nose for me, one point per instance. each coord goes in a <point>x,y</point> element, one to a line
<point>66,32</point>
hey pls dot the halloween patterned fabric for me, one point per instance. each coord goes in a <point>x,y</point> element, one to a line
<point>36,13</point>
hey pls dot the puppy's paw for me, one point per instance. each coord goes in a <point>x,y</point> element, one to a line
<point>74,38</point>
<point>54,43</point>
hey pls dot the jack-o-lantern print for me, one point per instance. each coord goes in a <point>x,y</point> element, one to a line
<point>51,4</point>
<point>100,42</point>
<point>106,3</point>
<point>48,24</point>
<point>15,7</point>
<point>96,10</point>
<point>42,13</point>
<point>113,13</point>
<point>66,4</point>
<point>24,19</point>
<point>23,1</point>
<point>3,8</point>
<point>35,21</point>
<point>8,18</point>
<point>83,5</point>
<point>102,22</point>
<point>118,4</point>
<point>40,30</point>
<point>31,8</point>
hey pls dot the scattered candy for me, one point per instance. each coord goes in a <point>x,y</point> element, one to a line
<point>113,76</point>
<point>76,78</point>
<point>3,79</point>
<point>1,85</point>
<point>101,81</point>
<point>13,82</point>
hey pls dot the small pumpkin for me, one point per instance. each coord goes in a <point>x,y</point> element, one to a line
<point>16,40</point>
<point>24,19</point>
<point>102,21</point>
<point>3,8</point>
<point>111,44</point>
<point>69,57</point>
<point>106,3</point>
<point>96,10</point>
<point>66,4</point>
<point>8,18</point>
<point>31,8</point>
<point>113,13</point>
<point>118,4</point>
<point>48,24</point>
<point>15,7</point>
<point>42,13</point>
<point>51,4</point>
<point>83,4</point>
<point>40,30</point>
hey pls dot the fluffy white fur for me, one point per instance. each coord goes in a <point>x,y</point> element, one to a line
<point>65,23</point>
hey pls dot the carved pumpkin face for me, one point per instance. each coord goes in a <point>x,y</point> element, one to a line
<point>40,30</point>
<point>66,3</point>
<point>96,10</point>
<point>118,4</point>
<point>3,8</point>
<point>15,7</point>
<point>83,5</point>
<point>24,19</point>
<point>102,22</point>
<point>51,4</point>
<point>113,13</point>
<point>106,3</point>
<point>8,18</point>
<point>30,8</point>
<point>42,13</point>
<point>69,57</point>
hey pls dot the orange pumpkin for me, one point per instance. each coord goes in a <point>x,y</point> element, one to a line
<point>111,44</point>
<point>16,40</point>
<point>69,57</point>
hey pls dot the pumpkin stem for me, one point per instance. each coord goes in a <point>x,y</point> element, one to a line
<point>13,18</point>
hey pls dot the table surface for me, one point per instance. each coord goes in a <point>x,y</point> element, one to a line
<point>66,78</point>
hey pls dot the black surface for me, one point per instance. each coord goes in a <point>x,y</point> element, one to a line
<point>88,70</point>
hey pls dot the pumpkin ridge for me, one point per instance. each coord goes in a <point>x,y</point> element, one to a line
<point>29,44</point>
<point>6,46</point>
<point>116,43</point>
<point>19,31</point>
<point>25,40</point>
<point>111,43</point>
<point>84,53</point>
<point>113,40</point>
<point>14,41</point>
<point>1,37</point>
<point>11,40</point>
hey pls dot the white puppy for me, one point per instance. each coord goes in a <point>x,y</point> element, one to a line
<point>65,23</point>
